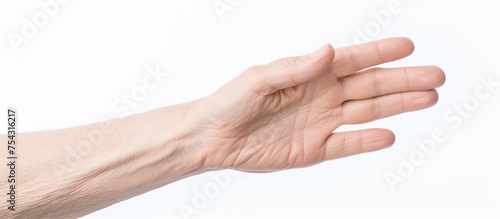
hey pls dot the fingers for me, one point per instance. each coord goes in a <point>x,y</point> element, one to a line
<point>377,82</point>
<point>350,143</point>
<point>367,110</point>
<point>349,60</point>
<point>291,71</point>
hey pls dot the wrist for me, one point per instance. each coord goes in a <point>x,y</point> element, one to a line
<point>180,139</point>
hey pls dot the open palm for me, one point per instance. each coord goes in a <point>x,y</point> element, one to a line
<point>283,114</point>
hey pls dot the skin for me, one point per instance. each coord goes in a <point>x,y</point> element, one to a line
<point>271,117</point>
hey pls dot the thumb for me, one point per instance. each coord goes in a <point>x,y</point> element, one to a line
<point>291,71</point>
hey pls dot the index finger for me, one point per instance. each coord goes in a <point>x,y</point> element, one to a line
<point>349,60</point>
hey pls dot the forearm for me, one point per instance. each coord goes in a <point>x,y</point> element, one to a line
<point>73,172</point>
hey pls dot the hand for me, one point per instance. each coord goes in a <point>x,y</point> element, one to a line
<point>270,117</point>
<point>281,115</point>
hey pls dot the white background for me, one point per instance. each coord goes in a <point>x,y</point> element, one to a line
<point>88,54</point>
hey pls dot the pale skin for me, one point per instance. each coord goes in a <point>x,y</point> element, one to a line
<point>270,117</point>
